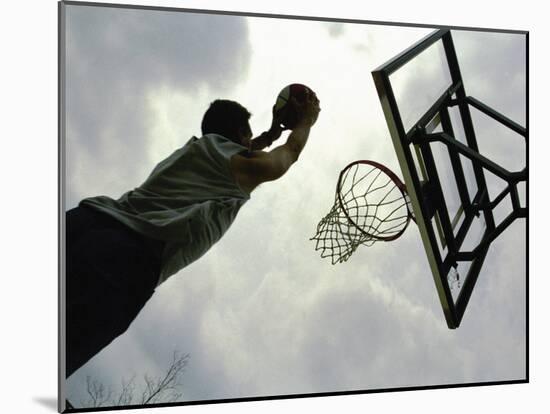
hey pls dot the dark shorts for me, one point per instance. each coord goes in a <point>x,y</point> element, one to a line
<point>111,272</point>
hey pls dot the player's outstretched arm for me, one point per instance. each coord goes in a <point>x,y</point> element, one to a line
<point>259,167</point>
<point>265,139</point>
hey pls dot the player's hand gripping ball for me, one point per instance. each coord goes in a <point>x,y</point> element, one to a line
<point>287,113</point>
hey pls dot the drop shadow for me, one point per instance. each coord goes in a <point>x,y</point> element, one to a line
<point>48,402</point>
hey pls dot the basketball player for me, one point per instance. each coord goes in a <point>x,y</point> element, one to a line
<point>119,251</point>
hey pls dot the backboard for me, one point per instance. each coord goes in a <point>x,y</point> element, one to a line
<point>446,176</point>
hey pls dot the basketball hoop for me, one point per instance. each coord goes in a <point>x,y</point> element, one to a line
<point>371,205</point>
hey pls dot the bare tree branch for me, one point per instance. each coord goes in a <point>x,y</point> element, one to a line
<point>127,392</point>
<point>161,387</point>
<point>96,392</point>
<point>166,388</point>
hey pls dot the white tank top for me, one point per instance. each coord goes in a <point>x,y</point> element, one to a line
<point>189,201</point>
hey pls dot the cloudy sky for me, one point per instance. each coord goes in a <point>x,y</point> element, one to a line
<point>262,314</point>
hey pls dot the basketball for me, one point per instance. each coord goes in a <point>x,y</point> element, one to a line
<point>289,116</point>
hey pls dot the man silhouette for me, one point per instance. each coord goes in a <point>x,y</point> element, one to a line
<point>119,251</point>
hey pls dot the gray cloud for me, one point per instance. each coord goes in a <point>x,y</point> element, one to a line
<point>115,57</point>
<point>336,30</point>
<point>362,42</point>
<point>493,69</point>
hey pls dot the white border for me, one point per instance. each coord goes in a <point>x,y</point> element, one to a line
<point>29,202</point>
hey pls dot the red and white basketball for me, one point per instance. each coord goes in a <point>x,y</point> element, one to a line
<point>289,115</point>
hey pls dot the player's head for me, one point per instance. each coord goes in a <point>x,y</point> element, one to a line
<point>227,118</point>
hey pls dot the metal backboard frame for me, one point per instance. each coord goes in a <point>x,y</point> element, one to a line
<point>425,190</point>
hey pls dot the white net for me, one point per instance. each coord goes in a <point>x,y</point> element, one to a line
<point>370,205</point>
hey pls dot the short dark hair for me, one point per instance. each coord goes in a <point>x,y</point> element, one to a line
<point>225,118</point>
